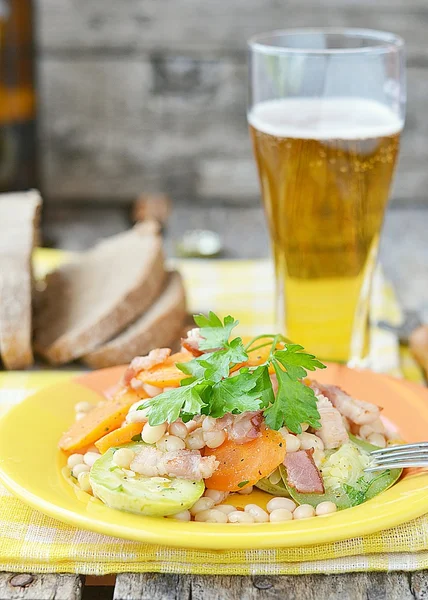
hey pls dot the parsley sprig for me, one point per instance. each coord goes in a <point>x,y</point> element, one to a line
<point>210,389</point>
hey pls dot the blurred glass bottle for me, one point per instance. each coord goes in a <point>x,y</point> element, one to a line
<point>18,164</point>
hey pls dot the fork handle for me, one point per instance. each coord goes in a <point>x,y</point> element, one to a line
<point>418,344</point>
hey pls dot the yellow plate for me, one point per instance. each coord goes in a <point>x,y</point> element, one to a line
<point>30,466</point>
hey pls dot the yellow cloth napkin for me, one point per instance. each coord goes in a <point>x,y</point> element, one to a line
<point>32,542</point>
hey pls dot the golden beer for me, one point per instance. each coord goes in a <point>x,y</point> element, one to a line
<point>325,168</point>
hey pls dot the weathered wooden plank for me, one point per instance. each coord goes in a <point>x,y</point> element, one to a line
<point>151,586</point>
<point>220,27</point>
<point>419,584</point>
<point>40,587</point>
<point>358,586</point>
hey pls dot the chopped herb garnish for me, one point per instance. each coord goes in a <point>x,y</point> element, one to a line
<point>242,483</point>
<point>136,438</point>
<point>210,390</point>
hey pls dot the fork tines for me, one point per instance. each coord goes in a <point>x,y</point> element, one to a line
<point>399,457</point>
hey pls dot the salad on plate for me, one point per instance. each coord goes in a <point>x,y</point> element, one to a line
<point>191,435</point>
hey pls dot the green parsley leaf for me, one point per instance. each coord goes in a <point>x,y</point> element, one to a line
<point>242,483</point>
<point>295,403</point>
<point>234,395</point>
<point>355,495</point>
<point>168,405</point>
<point>216,365</point>
<point>264,386</point>
<point>215,334</point>
<point>296,362</point>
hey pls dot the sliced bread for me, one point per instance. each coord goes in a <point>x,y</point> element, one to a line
<point>90,300</point>
<point>160,326</point>
<point>19,219</point>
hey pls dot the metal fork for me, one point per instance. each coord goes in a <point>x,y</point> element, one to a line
<point>399,457</point>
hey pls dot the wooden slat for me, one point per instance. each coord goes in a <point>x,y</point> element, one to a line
<point>40,587</point>
<point>358,586</point>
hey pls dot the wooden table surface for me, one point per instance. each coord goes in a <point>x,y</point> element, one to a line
<point>405,257</point>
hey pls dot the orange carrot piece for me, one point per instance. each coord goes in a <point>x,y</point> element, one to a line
<point>120,436</point>
<point>96,423</point>
<point>166,374</point>
<point>246,464</point>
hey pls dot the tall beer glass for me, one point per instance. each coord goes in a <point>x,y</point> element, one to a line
<point>326,110</point>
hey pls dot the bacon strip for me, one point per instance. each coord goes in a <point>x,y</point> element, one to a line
<point>192,341</point>
<point>143,363</point>
<point>302,473</point>
<point>357,411</point>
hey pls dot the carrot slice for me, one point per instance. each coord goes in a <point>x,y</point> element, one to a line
<point>120,436</point>
<point>242,465</point>
<point>166,374</point>
<point>97,422</point>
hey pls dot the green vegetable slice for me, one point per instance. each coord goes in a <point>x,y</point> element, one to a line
<point>364,486</point>
<point>277,489</point>
<point>151,496</point>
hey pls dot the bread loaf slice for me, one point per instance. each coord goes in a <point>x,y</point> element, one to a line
<point>91,299</point>
<point>160,326</point>
<point>19,219</point>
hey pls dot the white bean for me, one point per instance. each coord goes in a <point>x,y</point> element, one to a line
<point>201,504</point>
<point>170,443</point>
<point>136,416</point>
<point>184,515</point>
<point>365,431</point>
<point>309,440</point>
<point>325,508</point>
<point>123,457</point>
<point>292,443</point>
<point>278,503</point>
<point>216,495</point>
<point>304,426</point>
<point>90,458</point>
<point>259,515</point>
<point>211,516</point>
<point>192,425</point>
<point>304,511</point>
<point>80,415</point>
<point>214,439</point>
<point>151,434</point>
<point>74,459</point>
<point>238,516</point>
<point>280,515</point>
<point>246,491</point>
<point>208,424</point>
<point>377,439</point>
<point>178,429</point>
<point>195,440</point>
<point>83,407</point>
<point>84,482</point>
<point>82,468</point>
<point>275,477</point>
<point>226,508</point>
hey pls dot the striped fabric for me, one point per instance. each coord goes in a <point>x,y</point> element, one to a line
<point>32,542</point>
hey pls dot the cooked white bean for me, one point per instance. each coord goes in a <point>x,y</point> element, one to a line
<point>170,443</point>
<point>74,459</point>
<point>304,511</point>
<point>216,495</point>
<point>226,508</point>
<point>280,515</point>
<point>275,477</point>
<point>246,491</point>
<point>184,515</point>
<point>239,516</point>
<point>377,439</point>
<point>211,516</point>
<point>136,416</point>
<point>309,440</point>
<point>208,424</point>
<point>83,407</point>
<point>292,443</point>
<point>192,425</point>
<point>365,431</point>
<point>325,508</point>
<point>82,468</point>
<point>90,458</point>
<point>84,482</point>
<point>304,426</point>
<point>278,503</point>
<point>80,415</point>
<point>178,429</point>
<point>214,439</point>
<point>123,457</point>
<point>195,440</point>
<point>151,434</point>
<point>152,390</point>
<point>259,515</point>
<point>201,504</point>
<point>318,457</point>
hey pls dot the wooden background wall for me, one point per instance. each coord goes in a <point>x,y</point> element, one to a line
<point>150,94</point>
